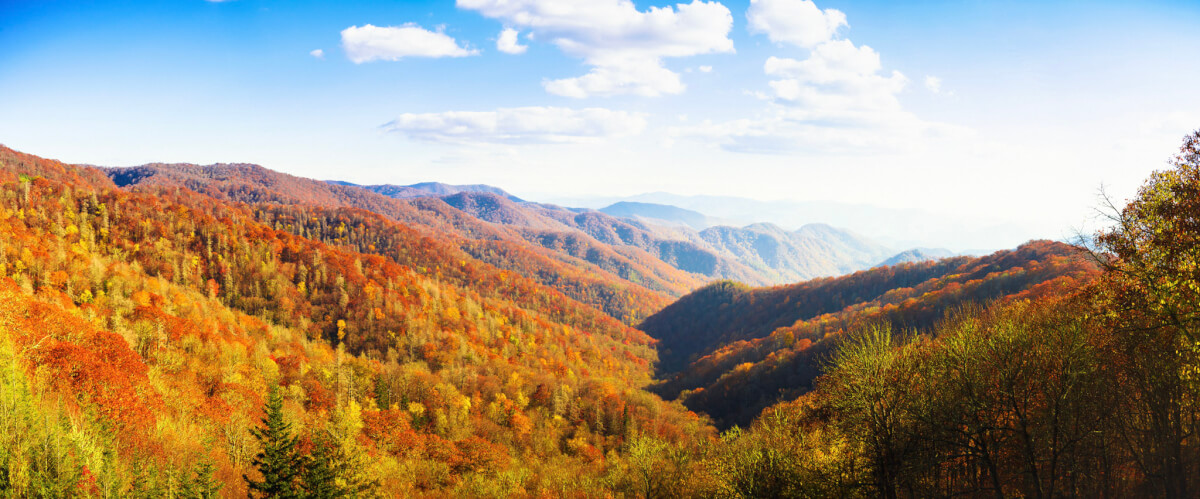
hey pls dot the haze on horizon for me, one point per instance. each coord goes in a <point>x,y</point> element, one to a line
<point>997,114</point>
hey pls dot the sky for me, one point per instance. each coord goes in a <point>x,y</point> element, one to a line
<point>1007,114</point>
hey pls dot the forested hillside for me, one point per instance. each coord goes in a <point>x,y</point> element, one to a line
<point>604,286</point>
<point>757,254</point>
<point>1086,388</point>
<point>731,351</point>
<point>170,316</point>
<point>911,294</point>
<point>158,341</point>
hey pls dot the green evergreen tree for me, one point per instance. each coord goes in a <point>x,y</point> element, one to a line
<point>147,481</point>
<point>203,484</point>
<point>334,471</point>
<point>53,471</point>
<point>279,462</point>
<point>319,479</point>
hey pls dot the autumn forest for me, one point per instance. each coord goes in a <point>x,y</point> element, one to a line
<point>195,331</point>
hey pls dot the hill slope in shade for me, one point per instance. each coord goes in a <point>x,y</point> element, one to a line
<point>731,350</point>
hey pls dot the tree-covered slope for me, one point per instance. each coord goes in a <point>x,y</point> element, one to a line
<point>457,235</point>
<point>140,333</point>
<point>731,351</point>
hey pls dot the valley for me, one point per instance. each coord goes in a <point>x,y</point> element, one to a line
<point>612,249</point>
<point>457,339</point>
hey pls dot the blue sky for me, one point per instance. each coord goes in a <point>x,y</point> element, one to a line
<point>1010,112</point>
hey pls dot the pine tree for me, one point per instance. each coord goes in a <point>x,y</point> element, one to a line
<point>279,462</point>
<point>333,470</point>
<point>319,479</point>
<point>203,485</point>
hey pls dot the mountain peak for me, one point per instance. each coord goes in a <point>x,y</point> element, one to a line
<point>915,255</point>
<point>427,189</point>
<point>672,215</point>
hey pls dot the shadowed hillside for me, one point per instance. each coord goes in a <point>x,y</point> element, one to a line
<point>732,350</point>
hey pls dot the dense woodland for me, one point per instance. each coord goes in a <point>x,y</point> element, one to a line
<point>428,222</point>
<point>193,336</point>
<point>748,348</point>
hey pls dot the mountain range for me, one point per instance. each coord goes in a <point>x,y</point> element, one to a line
<point>661,257</point>
<point>893,227</point>
<point>424,189</point>
<point>424,340</point>
<point>760,253</point>
<point>729,350</point>
<point>661,214</point>
<point>176,330</point>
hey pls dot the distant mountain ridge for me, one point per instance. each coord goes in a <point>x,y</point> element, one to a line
<point>895,227</point>
<point>645,243</point>
<point>672,215</point>
<point>756,254</point>
<point>591,235</point>
<point>422,189</point>
<point>815,250</point>
<point>917,255</point>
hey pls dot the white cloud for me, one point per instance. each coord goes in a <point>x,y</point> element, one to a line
<point>373,43</point>
<point>837,76</point>
<point>836,100</point>
<point>624,46</point>
<point>934,84</point>
<point>786,130</point>
<point>827,63</point>
<point>507,42</point>
<point>522,125</point>
<point>318,53</point>
<point>798,22</point>
<point>705,69</point>
<point>644,77</point>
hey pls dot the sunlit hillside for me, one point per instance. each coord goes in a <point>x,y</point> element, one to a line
<point>613,249</point>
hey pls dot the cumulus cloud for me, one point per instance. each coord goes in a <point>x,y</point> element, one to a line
<point>934,84</point>
<point>836,76</point>
<point>798,22</point>
<point>521,125</point>
<point>643,77</point>
<point>507,42</point>
<point>705,69</point>
<point>837,99</point>
<point>375,43</point>
<point>318,53</point>
<point>625,47</point>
